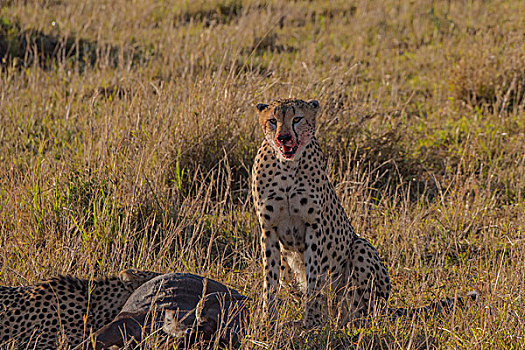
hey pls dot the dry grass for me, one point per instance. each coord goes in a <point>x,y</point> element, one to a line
<point>128,133</point>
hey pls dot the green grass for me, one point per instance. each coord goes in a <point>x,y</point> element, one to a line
<point>128,131</point>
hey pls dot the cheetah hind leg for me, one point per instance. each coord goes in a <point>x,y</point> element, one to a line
<point>367,283</point>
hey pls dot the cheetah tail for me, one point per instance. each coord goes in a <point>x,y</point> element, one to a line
<point>439,307</point>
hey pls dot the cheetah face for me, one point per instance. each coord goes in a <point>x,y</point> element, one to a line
<point>288,125</point>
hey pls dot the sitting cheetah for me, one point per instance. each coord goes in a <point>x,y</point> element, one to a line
<point>36,317</point>
<point>305,230</point>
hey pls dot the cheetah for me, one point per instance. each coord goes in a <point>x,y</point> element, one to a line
<point>306,235</point>
<point>305,231</point>
<point>63,308</point>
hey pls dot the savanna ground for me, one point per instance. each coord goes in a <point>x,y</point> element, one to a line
<point>128,131</point>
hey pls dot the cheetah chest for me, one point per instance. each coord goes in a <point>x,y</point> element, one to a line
<point>290,210</point>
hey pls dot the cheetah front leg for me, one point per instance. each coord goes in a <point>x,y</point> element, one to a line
<point>272,265</point>
<point>313,260</point>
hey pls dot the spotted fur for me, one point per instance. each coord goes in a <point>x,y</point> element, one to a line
<point>305,231</point>
<point>63,309</point>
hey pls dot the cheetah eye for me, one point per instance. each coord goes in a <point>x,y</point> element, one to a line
<point>297,120</point>
<point>273,121</point>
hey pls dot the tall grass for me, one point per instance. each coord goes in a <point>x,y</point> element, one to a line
<point>128,132</point>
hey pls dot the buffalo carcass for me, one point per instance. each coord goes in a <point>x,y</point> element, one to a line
<point>186,307</point>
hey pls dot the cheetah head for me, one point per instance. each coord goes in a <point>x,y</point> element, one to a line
<point>134,278</point>
<point>288,125</point>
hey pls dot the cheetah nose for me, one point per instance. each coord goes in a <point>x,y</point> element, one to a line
<point>284,138</point>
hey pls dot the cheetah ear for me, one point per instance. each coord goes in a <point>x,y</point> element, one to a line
<point>261,107</point>
<point>314,104</point>
<point>127,275</point>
